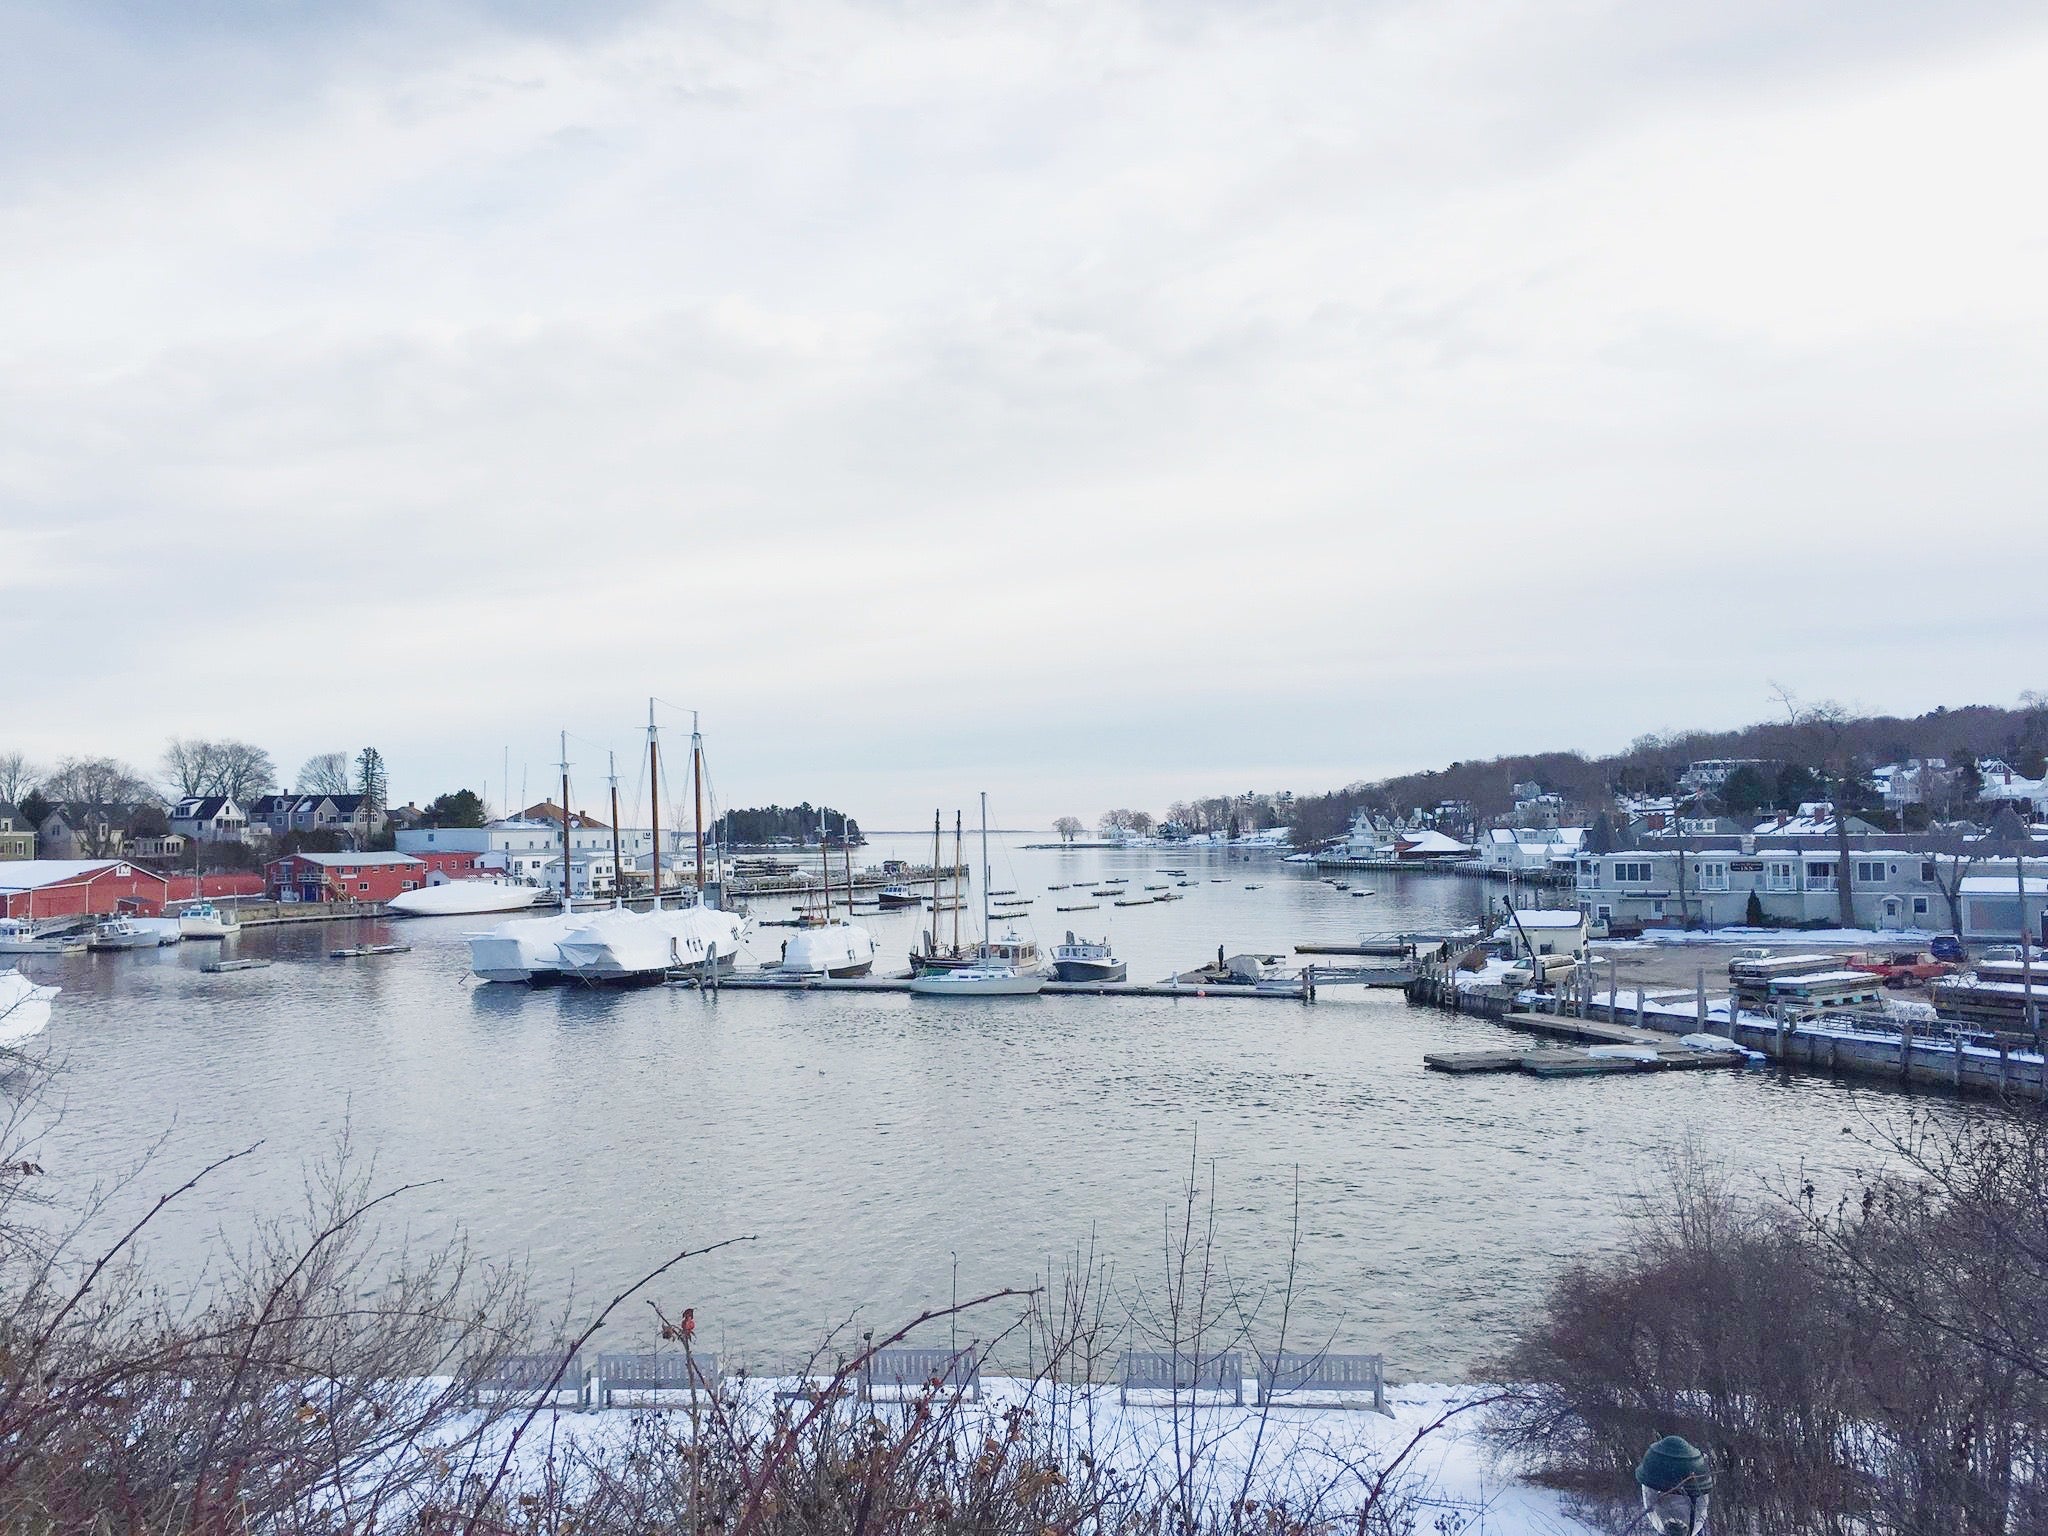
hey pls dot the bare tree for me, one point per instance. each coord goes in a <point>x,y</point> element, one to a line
<point>1068,827</point>
<point>325,773</point>
<point>18,777</point>
<point>239,770</point>
<point>96,794</point>
<point>188,766</point>
<point>1822,730</point>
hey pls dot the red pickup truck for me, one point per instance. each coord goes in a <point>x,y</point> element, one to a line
<point>1907,968</point>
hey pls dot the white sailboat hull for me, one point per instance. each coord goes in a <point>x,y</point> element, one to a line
<point>976,982</point>
<point>841,950</point>
<point>462,898</point>
<point>24,1008</point>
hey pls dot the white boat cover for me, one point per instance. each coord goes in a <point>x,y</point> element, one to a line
<point>24,1008</point>
<point>518,950</point>
<point>841,948</point>
<point>461,896</point>
<point>620,944</point>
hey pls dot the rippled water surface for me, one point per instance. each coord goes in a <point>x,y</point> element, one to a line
<point>868,1139</point>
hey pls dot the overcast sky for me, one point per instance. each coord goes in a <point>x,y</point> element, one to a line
<point>1097,403</point>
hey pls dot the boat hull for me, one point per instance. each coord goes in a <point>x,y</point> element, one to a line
<point>955,984</point>
<point>1090,970</point>
<point>463,898</point>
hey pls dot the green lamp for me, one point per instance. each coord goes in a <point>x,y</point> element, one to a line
<point>1676,1483</point>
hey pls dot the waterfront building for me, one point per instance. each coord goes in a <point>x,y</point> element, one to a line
<point>210,819</point>
<point>37,888</point>
<point>343,876</point>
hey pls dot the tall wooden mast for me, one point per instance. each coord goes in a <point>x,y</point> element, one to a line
<point>697,780</point>
<point>565,822</point>
<point>618,876</point>
<point>654,799</point>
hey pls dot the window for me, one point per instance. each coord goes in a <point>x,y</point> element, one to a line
<point>362,885</point>
<point>1713,875</point>
<point>1870,871</point>
<point>1927,872</point>
<point>1782,875</point>
<point>1919,906</point>
<point>1632,873</point>
<point>1822,875</point>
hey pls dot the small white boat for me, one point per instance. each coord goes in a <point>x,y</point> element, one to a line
<point>840,949</point>
<point>18,936</point>
<point>977,981</point>
<point>462,897</point>
<point>203,920</point>
<point>24,1008</point>
<point>130,933</point>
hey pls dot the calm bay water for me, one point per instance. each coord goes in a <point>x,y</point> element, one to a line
<point>867,1140</point>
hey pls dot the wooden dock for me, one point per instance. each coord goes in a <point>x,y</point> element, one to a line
<point>222,967</point>
<point>901,984</point>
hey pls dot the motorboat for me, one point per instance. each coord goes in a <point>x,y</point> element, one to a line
<point>203,920</point>
<point>977,981</point>
<point>1009,950</point>
<point>18,936</point>
<point>24,1008</point>
<point>129,933</point>
<point>624,947</point>
<point>454,898</point>
<point>1082,960</point>
<point>839,949</point>
<point>894,898</point>
<point>526,950</point>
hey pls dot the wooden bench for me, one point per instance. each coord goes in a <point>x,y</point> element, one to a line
<point>1149,1371</point>
<point>901,1374</point>
<point>1324,1381</point>
<point>651,1374</point>
<point>523,1378</point>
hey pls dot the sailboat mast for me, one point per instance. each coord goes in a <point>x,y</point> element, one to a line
<point>565,822</point>
<point>846,850</point>
<point>697,779</point>
<point>654,800</point>
<point>986,936</point>
<point>618,878</point>
<point>959,893</point>
<point>932,939</point>
<point>825,864</point>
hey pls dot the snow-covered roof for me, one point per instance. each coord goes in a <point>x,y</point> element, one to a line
<point>34,874</point>
<point>1549,917</point>
<point>355,860</point>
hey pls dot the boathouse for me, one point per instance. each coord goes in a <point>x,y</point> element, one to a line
<point>39,888</point>
<point>368,877</point>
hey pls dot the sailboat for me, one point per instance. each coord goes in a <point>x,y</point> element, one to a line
<point>839,948</point>
<point>624,947</point>
<point>528,949</point>
<point>1008,950</point>
<point>463,898</point>
<point>985,976</point>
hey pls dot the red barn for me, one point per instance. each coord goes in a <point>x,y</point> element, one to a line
<point>344,876</point>
<point>35,888</point>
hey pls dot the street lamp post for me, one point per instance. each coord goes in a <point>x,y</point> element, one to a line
<point>1676,1483</point>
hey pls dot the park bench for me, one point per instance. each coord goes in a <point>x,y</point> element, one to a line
<point>1323,1381</point>
<point>523,1378</point>
<point>900,1374</point>
<point>1153,1371</point>
<point>651,1376</point>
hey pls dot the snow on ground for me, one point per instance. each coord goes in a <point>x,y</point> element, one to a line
<point>1765,938</point>
<point>1453,1474</point>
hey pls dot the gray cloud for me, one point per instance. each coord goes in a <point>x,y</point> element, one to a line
<point>1067,398</point>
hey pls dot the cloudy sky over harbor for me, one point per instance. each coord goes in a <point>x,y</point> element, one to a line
<point>1102,404</point>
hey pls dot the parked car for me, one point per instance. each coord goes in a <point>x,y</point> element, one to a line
<point>1950,948</point>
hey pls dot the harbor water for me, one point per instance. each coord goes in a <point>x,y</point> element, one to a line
<point>871,1142</point>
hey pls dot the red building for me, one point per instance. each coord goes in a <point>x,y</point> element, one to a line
<point>36,888</point>
<point>344,876</point>
<point>450,865</point>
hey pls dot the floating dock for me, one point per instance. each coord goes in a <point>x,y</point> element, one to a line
<point>1295,991</point>
<point>221,967</point>
<point>361,951</point>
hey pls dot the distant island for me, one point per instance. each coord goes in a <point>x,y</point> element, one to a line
<point>796,825</point>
